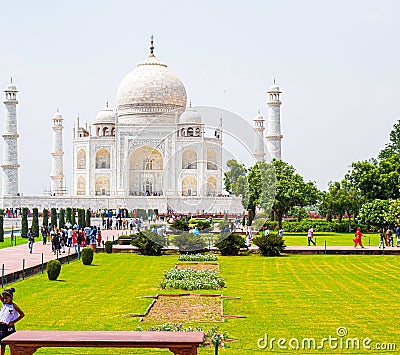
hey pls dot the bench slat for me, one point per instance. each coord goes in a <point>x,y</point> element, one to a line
<point>177,342</point>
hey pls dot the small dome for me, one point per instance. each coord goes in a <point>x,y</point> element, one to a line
<point>190,116</point>
<point>274,88</point>
<point>11,87</point>
<point>58,115</point>
<point>106,115</point>
<point>259,116</point>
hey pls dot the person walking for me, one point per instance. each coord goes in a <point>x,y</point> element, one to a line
<point>388,234</point>
<point>382,239</point>
<point>31,240</point>
<point>310,236</point>
<point>357,239</point>
<point>44,232</point>
<point>10,314</point>
<point>397,236</point>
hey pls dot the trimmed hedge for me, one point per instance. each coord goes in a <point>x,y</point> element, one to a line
<point>87,256</point>
<point>53,269</point>
<point>319,225</point>
<point>269,245</point>
<point>108,245</point>
<point>149,243</point>
<point>189,243</point>
<point>229,245</point>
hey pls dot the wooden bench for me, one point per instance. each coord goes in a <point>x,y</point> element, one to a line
<point>26,342</point>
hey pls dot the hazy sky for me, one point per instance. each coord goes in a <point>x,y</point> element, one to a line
<point>337,63</point>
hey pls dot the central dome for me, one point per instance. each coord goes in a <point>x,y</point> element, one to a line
<point>150,89</point>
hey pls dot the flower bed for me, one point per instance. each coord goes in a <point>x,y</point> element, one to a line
<point>197,257</point>
<point>189,279</point>
<point>212,335</point>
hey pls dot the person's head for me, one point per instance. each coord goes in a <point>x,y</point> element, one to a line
<point>358,229</point>
<point>8,295</point>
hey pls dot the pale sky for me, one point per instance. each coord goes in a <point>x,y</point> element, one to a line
<point>337,63</point>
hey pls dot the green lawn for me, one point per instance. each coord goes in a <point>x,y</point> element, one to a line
<point>331,239</point>
<point>291,296</point>
<point>7,241</point>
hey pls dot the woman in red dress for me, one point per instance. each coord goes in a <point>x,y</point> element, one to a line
<point>357,238</point>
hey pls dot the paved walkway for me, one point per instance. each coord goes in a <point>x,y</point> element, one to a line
<point>13,257</point>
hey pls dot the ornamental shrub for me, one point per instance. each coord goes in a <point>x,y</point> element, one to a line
<point>88,217</point>
<point>68,214</point>
<point>189,243</point>
<point>45,217</point>
<point>270,244</point>
<point>61,219</point>
<point>53,269</point>
<point>81,217</point>
<point>24,223</point>
<point>35,221</point>
<point>53,217</point>
<point>73,220</point>
<point>108,245</point>
<point>1,228</point>
<point>149,243</point>
<point>230,244</point>
<point>180,224</point>
<point>87,256</point>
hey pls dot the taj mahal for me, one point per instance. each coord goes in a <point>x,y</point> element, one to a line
<point>151,151</point>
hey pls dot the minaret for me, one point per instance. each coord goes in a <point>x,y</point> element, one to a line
<point>259,128</point>
<point>57,166</point>
<point>10,150</point>
<point>274,136</point>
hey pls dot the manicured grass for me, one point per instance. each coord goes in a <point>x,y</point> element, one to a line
<point>331,238</point>
<point>291,296</point>
<point>7,241</point>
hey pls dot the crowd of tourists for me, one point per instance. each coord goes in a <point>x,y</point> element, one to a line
<point>72,236</point>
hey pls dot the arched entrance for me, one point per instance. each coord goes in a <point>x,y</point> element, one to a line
<point>145,172</point>
<point>189,186</point>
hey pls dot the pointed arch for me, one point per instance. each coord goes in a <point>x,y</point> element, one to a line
<point>103,158</point>
<point>81,186</point>
<point>189,159</point>
<point>81,159</point>
<point>189,186</point>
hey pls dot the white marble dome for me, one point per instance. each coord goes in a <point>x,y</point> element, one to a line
<point>190,116</point>
<point>274,88</point>
<point>11,87</point>
<point>150,89</point>
<point>106,115</point>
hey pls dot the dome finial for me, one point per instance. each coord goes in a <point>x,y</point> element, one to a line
<point>11,80</point>
<point>107,103</point>
<point>151,46</point>
<point>190,103</point>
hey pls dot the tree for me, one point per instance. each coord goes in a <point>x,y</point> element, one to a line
<point>53,217</point>
<point>1,227</point>
<point>290,191</point>
<point>231,177</point>
<point>81,217</point>
<point>393,147</point>
<point>375,213</point>
<point>73,219</point>
<point>68,214</point>
<point>35,221</point>
<point>24,222</point>
<point>88,217</point>
<point>254,189</point>
<point>45,217</point>
<point>61,219</point>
